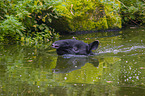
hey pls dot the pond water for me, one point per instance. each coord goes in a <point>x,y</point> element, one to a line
<point>116,69</point>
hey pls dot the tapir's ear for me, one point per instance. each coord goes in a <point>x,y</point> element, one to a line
<point>93,45</point>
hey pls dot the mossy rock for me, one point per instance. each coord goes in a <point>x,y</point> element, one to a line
<point>88,15</point>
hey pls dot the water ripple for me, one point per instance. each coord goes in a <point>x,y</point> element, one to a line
<point>119,49</point>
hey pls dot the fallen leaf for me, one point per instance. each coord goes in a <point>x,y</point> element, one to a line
<point>109,81</point>
<point>30,60</point>
<point>142,67</point>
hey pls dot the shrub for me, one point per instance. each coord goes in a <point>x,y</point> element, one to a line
<point>133,12</point>
<point>11,28</point>
<point>26,19</point>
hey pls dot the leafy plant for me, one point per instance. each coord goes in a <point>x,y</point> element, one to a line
<point>25,19</point>
<point>132,12</point>
<point>11,28</point>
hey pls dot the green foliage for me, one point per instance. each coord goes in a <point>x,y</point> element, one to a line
<point>33,21</point>
<point>25,19</point>
<point>11,28</point>
<point>133,11</point>
<point>112,9</point>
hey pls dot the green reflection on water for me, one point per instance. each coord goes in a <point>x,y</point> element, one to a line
<point>117,68</point>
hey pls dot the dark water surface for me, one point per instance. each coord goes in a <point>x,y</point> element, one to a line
<point>117,69</point>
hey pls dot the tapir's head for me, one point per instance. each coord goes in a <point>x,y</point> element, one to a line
<point>72,46</point>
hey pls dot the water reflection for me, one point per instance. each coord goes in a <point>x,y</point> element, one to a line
<point>118,69</point>
<point>68,63</point>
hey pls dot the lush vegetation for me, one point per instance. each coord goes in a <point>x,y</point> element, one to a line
<point>85,15</point>
<point>27,20</point>
<point>133,12</point>
<point>34,21</point>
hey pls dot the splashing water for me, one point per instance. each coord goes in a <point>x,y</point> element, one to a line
<point>120,49</point>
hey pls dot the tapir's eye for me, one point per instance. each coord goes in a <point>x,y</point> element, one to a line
<point>66,43</point>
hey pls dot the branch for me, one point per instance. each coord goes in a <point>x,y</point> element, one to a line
<point>123,4</point>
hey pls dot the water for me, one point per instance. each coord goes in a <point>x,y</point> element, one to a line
<point>116,69</point>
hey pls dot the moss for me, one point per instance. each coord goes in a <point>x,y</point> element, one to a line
<point>112,14</point>
<point>102,24</point>
<point>114,21</point>
<point>83,15</point>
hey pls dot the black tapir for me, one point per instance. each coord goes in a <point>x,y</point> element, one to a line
<point>73,46</point>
